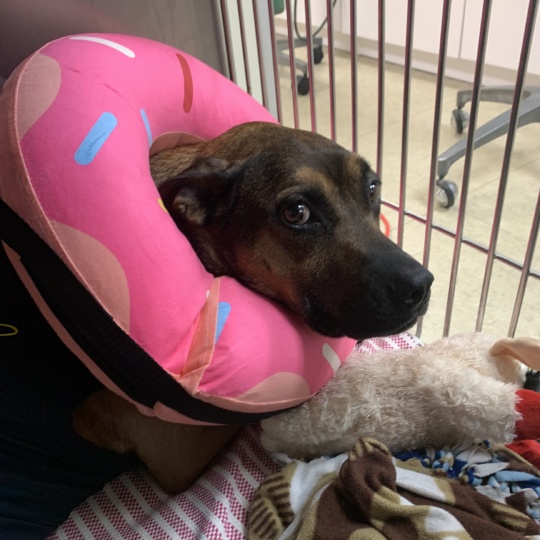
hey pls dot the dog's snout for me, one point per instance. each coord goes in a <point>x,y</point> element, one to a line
<point>413,288</point>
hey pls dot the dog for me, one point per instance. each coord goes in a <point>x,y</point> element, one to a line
<point>293,216</point>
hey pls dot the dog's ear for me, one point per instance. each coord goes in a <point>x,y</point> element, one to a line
<point>203,193</point>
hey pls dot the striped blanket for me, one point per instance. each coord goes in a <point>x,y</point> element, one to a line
<point>134,507</point>
<point>370,494</point>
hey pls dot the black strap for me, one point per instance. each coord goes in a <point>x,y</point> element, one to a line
<point>110,348</point>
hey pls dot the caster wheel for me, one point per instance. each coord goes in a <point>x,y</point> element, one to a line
<point>446,194</point>
<point>302,85</point>
<point>459,120</point>
<point>318,54</point>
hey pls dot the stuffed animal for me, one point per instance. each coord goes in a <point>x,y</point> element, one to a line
<point>466,387</point>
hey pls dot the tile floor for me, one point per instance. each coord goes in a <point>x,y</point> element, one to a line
<point>520,201</point>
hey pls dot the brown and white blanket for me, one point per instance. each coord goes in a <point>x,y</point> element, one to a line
<point>369,495</point>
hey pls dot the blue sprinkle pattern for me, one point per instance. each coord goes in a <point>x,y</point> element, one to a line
<point>224,308</point>
<point>146,123</point>
<point>96,138</point>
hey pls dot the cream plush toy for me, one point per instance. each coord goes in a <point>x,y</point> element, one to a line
<point>467,387</point>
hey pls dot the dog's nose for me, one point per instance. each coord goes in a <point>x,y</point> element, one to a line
<point>413,287</point>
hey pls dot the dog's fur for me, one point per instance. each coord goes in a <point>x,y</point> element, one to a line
<point>450,391</point>
<point>232,196</point>
<point>293,216</point>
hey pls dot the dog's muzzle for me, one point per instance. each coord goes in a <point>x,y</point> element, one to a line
<point>390,301</point>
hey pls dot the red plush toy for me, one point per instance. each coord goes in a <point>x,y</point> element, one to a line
<point>526,444</point>
<point>528,428</point>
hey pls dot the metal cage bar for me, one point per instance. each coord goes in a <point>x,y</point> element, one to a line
<point>405,119</point>
<point>526,271</point>
<point>275,61</point>
<point>354,80</point>
<point>518,91</point>
<point>244,46</point>
<point>292,63</point>
<point>331,66</point>
<point>437,113</point>
<point>310,62</point>
<point>228,40</point>
<point>479,69</point>
<point>381,59</point>
<point>260,56</point>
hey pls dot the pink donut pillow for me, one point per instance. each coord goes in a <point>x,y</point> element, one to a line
<point>83,225</point>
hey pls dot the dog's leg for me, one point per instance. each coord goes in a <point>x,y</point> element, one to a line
<point>175,454</point>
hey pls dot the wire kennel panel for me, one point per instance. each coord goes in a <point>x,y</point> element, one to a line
<point>386,87</point>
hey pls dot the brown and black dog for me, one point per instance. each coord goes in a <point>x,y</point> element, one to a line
<point>293,216</point>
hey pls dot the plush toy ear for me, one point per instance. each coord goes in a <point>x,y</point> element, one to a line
<point>526,350</point>
<point>202,194</point>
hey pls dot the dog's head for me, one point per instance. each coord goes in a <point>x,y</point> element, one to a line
<point>295,216</point>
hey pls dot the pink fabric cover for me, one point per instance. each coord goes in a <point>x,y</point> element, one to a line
<point>85,111</point>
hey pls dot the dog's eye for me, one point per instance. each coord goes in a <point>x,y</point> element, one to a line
<point>296,214</point>
<point>375,191</point>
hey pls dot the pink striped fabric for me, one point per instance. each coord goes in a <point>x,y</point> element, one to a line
<point>215,508</point>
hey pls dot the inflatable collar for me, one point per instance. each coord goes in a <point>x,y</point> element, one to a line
<point>83,225</point>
